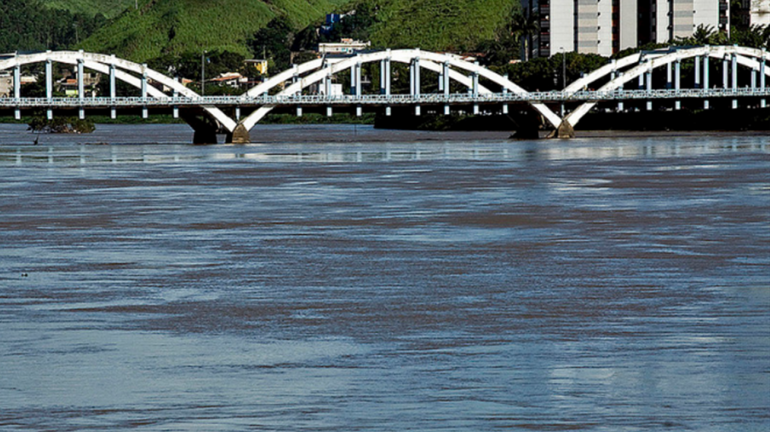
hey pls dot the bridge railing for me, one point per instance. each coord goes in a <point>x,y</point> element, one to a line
<point>386,100</point>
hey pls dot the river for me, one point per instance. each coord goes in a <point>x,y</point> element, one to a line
<point>340,278</point>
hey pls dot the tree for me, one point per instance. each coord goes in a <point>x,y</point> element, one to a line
<point>273,42</point>
<point>523,28</point>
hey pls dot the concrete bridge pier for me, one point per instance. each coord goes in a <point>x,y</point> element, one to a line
<point>205,129</point>
<point>239,136</point>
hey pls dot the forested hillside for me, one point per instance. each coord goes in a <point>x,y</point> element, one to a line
<point>30,25</point>
<point>161,27</point>
<point>438,25</point>
<point>108,8</point>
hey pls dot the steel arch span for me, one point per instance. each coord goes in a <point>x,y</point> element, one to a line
<point>641,65</point>
<point>316,71</point>
<point>133,74</point>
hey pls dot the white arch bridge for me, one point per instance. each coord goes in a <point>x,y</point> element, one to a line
<point>437,83</point>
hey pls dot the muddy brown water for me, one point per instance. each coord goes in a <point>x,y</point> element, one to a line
<point>385,282</point>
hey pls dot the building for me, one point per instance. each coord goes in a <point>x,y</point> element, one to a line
<point>605,27</point>
<point>6,84</point>
<point>230,79</point>
<point>344,47</point>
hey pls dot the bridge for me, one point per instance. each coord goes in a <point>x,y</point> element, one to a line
<point>453,83</point>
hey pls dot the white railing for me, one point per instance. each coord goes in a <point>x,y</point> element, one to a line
<point>386,100</point>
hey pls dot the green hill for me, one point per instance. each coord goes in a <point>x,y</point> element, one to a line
<point>108,8</point>
<point>437,25</point>
<point>161,27</point>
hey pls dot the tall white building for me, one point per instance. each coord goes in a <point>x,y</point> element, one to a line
<point>605,27</point>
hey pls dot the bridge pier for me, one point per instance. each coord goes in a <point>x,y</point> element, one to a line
<point>204,129</point>
<point>239,136</point>
<point>565,130</point>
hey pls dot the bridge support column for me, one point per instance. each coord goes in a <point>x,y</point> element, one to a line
<point>677,82</point>
<point>648,76</point>
<point>81,88</point>
<point>299,111</point>
<point>697,72</point>
<point>175,94</point>
<point>388,75</point>
<point>113,113</point>
<point>706,79</point>
<point>475,89</point>
<point>725,73</point>
<point>144,90</point>
<point>445,76</point>
<point>734,70</point>
<point>505,92</point>
<point>763,101</point>
<point>416,83</point>
<point>49,85</point>
<point>17,89</point>
<point>669,80</point>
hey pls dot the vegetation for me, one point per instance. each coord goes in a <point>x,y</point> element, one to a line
<point>61,125</point>
<point>29,25</point>
<point>176,27</point>
<point>108,8</point>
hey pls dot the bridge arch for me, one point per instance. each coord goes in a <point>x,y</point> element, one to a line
<point>102,64</point>
<point>751,58</point>
<point>317,70</point>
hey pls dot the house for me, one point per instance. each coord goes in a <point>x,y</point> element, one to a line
<point>6,84</point>
<point>259,64</point>
<point>343,47</point>
<point>230,79</point>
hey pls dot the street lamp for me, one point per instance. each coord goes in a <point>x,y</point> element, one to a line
<point>203,72</point>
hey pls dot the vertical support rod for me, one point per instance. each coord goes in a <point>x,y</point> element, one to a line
<point>725,73</point>
<point>416,83</point>
<point>677,82</point>
<point>763,101</point>
<point>382,76</point>
<point>697,72</point>
<point>669,83</point>
<point>144,90</point>
<point>648,75</point>
<point>445,75</point>
<point>475,89</point>
<point>734,70</point>
<point>706,79</point>
<point>175,94</point>
<point>17,89</point>
<point>113,91</point>
<point>388,76</point>
<point>49,84</point>
<point>505,91</point>
<point>81,87</point>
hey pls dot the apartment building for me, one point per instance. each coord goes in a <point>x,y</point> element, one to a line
<point>605,27</point>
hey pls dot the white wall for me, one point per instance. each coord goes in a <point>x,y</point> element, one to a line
<point>562,26</point>
<point>628,24</point>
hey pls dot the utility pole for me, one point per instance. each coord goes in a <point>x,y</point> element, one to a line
<point>203,72</point>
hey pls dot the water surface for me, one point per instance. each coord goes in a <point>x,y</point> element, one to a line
<point>385,284</point>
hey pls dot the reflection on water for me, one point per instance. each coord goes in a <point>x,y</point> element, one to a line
<point>608,285</point>
<point>389,152</point>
